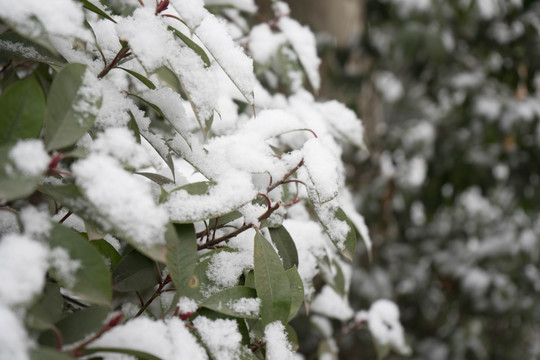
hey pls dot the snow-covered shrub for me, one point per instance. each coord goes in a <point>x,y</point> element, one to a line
<point>163,196</point>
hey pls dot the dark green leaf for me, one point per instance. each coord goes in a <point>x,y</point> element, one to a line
<point>15,45</point>
<point>198,279</point>
<point>350,241</point>
<point>23,111</point>
<point>271,282</point>
<point>140,355</point>
<point>108,251</point>
<point>181,254</point>
<point>285,246</point>
<point>158,179</point>
<point>77,325</point>
<point>135,272</point>
<point>46,353</point>
<point>192,45</point>
<point>92,280</point>
<point>134,127</point>
<point>224,219</point>
<point>225,301</point>
<point>88,5</point>
<point>169,78</point>
<point>339,279</point>
<point>297,291</point>
<point>66,122</point>
<point>47,310</point>
<point>140,77</point>
<point>197,188</point>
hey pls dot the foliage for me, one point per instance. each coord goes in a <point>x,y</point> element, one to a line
<point>451,193</point>
<point>159,200</point>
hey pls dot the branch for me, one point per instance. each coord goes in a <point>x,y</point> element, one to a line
<point>240,230</point>
<point>284,180</point>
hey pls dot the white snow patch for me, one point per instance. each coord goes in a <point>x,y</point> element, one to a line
<point>331,304</point>
<point>277,345</point>
<point>220,336</point>
<point>14,341</point>
<point>29,157</point>
<point>63,267</point>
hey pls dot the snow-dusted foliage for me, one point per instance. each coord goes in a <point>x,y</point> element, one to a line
<point>454,199</point>
<point>169,189</point>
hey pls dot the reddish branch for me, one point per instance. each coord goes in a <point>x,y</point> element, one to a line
<point>156,294</point>
<point>78,351</point>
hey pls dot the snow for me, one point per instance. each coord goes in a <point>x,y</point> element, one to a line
<point>29,157</point>
<point>277,345</point>
<point>169,339</point>
<point>221,336</point>
<point>324,175</point>
<point>187,305</point>
<point>191,11</point>
<point>384,325</point>
<point>36,223</point>
<point>303,43</point>
<point>329,303</point>
<point>263,43</point>
<point>25,51</point>
<point>247,306</point>
<point>14,341</point>
<point>110,189</point>
<point>237,65</point>
<point>63,267</point>
<point>120,144</point>
<point>87,98</point>
<point>23,265</point>
<point>389,86</point>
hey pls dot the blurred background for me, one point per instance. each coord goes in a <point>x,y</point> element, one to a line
<point>449,92</point>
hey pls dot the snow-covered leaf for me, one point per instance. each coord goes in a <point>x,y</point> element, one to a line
<point>238,301</point>
<point>83,271</point>
<point>135,272</point>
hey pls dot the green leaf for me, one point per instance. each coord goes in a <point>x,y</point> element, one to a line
<point>169,78</point>
<point>198,279</point>
<point>68,116</point>
<point>13,184</point>
<point>339,279</point>
<point>46,353</point>
<point>77,326</point>
<point>271,282</point>
<point>158,179</point>
<point>350,241</point>
<point>224,301</point>
<point>134,127</point>
<point>108,251</point>
<point>135,272</point>
<point>192,45</point>
<point>140,355</point>
<point>88,5</point>
<point>71,197</point>
<point>297,291</point>
<point>181,254</point>
<point>196,188</point>
<point>23,111</point>
<point>285,246</point>
<point>92,280</point>
<point>17,46</point>
<point>140,77</point>
<point>47,310</point>
<point>224,219</point>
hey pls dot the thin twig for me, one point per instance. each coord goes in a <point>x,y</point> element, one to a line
<point>289,173</point>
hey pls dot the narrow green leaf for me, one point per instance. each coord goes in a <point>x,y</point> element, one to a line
<point>134,127</point>
<point>158,179</point>
<point>152,105</point>
<point>141,355</point>
<point>271,282</point>
<point>47,310</point>
<point>285,246</point>
<point>350,241</point>
<point>192,45</point>
<point>77,325</point>
<point>196,188</point>
<point>227,302</point>
<point>92,280</point>
<point>23,111</point>
<point>181,254</point>
<point>224,219</point>
<point>339,279</point>
<point>169,78</point>
<point>71,107</point>
<point>47,353</point>
<point>88,5</point>
<point>140,77</point>
<point>297,291</point>
<point>135,272</point>
<point>20,47</point>
<point>108,251</point>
